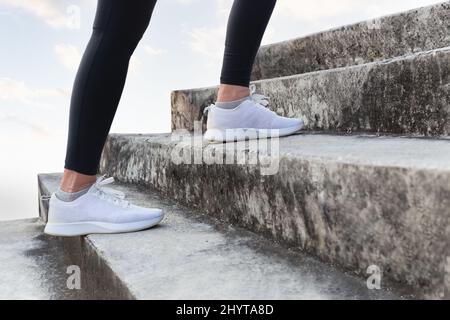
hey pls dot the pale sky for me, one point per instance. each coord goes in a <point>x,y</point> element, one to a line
<point>42,42</point>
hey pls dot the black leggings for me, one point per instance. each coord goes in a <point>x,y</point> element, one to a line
<point>119,25</point>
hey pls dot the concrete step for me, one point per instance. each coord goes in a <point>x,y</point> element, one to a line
<point>33,266</point>
<point>191,256</point>
<point>354,201</point>
<point>374,40</point>
<point>405,95</point>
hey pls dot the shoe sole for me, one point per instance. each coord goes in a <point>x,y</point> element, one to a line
<point>85,228</point>
<point>231,135</point>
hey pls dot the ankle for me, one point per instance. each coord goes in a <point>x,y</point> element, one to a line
<point>74,182</point>
<point>228,93</point>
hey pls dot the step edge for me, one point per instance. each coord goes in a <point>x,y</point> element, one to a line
<point>298,157</point>
<point>406,57</point>
<point>357,23</point>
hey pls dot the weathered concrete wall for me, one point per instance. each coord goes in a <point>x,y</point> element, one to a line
<point>351,201</point>
<point>187,106</point>
<point>410,32</point>
<point>408,95</point>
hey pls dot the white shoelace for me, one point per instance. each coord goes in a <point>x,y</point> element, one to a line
<point>259,99</point>
<point>113,196</point>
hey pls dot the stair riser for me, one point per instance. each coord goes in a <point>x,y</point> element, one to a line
<point>414,31</point>
<point>335,211</point>
<point>403,96</point>
<point>98,280</point>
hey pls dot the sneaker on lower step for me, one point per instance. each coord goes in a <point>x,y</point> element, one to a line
<point>100,210</point>
<point>250,120</point>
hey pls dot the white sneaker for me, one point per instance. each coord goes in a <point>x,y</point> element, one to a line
<point>100,210</point>
<point>250,120</point>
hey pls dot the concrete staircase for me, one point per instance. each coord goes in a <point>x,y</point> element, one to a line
<point>389,75</point>
<point>366,187</point>
<point>353,201</point>
<point>192,256</point>
<point>403,95</point>
<point>378,196</point>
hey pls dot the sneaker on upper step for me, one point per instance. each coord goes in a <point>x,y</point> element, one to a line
<point>100,210</point>
<point>250,120</point>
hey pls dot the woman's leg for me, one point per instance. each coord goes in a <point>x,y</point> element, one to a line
<point>237,115</point>
<point>246,26</point>
<point>118,28</point>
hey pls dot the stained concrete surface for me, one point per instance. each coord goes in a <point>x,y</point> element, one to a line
<point>353,201</point>
<point>33,266</point>
<point>378,39</point>
<point>402,95</point>
<point>191,256</point>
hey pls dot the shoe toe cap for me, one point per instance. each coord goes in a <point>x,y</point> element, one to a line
<point>155,213</point>
<point>283,122</point>
<point>151,214</point>
<point>137,214</point>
